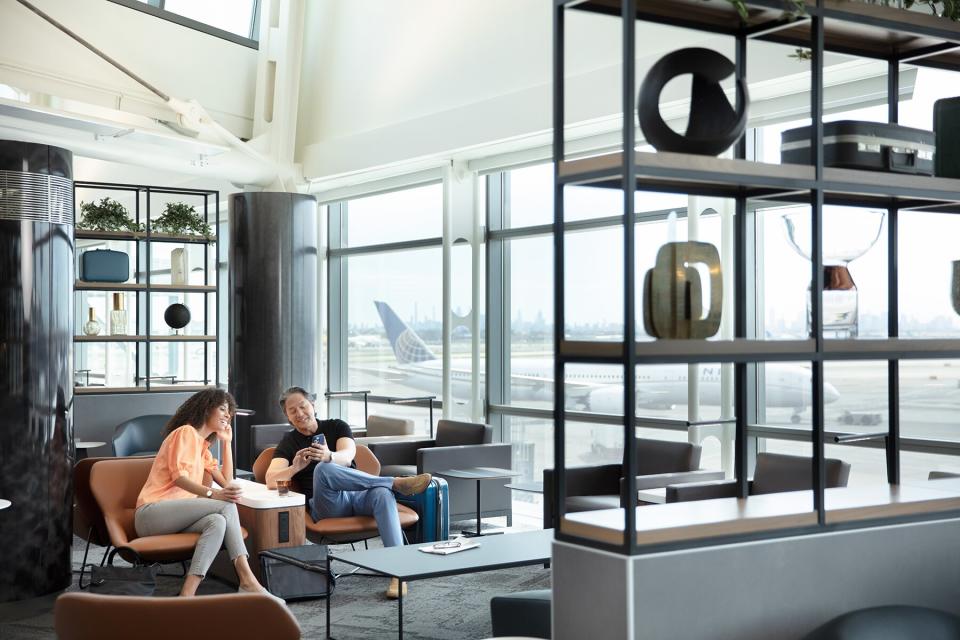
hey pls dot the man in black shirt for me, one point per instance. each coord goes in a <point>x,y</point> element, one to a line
<point>325,472</point>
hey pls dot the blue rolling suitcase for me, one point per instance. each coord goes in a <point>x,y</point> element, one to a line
<point>433,506</point>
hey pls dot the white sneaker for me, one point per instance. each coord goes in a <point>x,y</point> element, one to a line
<point>264,592</point>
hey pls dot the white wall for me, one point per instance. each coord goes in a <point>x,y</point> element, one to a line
<point>384,83</point>
<point>37,58</point>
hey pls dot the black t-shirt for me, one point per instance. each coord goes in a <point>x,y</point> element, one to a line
<point>293,441</point>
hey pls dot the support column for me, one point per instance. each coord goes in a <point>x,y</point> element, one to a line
<point>273,338</point>
<point>36,368</point>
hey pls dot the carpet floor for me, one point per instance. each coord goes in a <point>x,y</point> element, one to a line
<point>449,608</point>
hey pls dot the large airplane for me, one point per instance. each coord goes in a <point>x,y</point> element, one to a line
<point>596,388</point>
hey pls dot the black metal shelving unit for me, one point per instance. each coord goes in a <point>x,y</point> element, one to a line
<point>843,26</point>
<point>143,287</point>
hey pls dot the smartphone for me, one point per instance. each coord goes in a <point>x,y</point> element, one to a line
<point>318,439</point>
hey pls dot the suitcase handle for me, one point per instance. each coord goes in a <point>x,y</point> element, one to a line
<point>896,161</point>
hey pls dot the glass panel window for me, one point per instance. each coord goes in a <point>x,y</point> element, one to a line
<point>230,15</point>
<point>411,214</point>
<point>394,312</point>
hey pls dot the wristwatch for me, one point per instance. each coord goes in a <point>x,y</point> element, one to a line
<point>209,493</point>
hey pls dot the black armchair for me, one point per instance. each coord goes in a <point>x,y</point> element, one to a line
<point>458,445</point>
<point>659,463</point>
<point>139,436</point>
<point>774,473</point>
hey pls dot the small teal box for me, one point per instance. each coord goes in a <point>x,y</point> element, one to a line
<point>104,265</point>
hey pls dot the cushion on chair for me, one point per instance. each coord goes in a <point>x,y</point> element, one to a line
<point>592,503</point>
<point>397,470</point>
<point>139,436</point>
<point>892,622</point>
<point>451,433</point>
<point>776,472</point>
<point>663,456</point>
<point>352,525</point>
<point>525,613</point>
<point>386,426</point>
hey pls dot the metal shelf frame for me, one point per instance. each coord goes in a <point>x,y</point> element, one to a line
<point>142,258</point>
<point>864,30</point>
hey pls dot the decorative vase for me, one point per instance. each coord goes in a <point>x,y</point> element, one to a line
<point>118,317</point>
<point>179,266</point>
<point>92,327</point>
<point>848,233</point>
<point>177,316</point>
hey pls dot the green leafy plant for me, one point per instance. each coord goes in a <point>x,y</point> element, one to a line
<point>181,219</point>
<point>949,9</point>
<point>106,215</point>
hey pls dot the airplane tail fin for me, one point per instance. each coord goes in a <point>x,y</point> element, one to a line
<point>407,345</point>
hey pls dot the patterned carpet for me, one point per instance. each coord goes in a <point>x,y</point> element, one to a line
<point>449,608</point>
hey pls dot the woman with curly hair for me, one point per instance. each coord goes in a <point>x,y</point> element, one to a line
<point>174,498</point>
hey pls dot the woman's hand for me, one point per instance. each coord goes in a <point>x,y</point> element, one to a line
<point>225,434</point>
<point>230,493</point>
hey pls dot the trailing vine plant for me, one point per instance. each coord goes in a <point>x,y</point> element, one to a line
<point>179,218</point>
<point>106,215</point>
<point>949,9</point>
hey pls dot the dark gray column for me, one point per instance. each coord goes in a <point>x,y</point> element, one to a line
<point>273,304</point>
<point>36,368</point>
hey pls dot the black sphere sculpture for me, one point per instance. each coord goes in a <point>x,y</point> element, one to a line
<point>177,316</point>
<point>713,125</point>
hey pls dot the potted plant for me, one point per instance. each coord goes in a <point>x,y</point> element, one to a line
<point>179,218</point>
<point>106,215</point>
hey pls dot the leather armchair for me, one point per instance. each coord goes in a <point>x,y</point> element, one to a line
<point>87,616</point>
<point>774,473</point>
<point>523,614</point>
<point>140,436</point>
<point>458,445</point>
<point>660,463</point>
<point>890,622</point>
<point>347,528</point>
<point>115,484</point>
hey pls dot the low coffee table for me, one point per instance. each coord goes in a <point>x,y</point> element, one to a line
<point>478,474</point>
<point>408,563</point>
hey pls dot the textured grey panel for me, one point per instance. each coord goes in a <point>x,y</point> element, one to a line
<point>590,594</point>
<point>273,303</point>
<point>35,196</point>
<point>785,588</point>
<point>96,416</point>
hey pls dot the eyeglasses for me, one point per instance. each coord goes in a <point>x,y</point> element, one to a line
<point>448,544</point>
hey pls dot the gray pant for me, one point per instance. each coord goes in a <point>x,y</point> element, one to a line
<point>216,521</point>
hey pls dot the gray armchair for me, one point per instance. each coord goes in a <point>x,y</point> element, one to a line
<point>659,463</point>
<point>139,436</point>
<point>458,445</point>
<point>774,473</point>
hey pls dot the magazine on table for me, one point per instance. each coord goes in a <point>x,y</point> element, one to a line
<point>446,547</point>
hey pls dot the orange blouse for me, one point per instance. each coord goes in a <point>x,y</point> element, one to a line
<point>183,454</point>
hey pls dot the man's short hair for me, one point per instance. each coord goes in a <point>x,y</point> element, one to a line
<point>312,397</point>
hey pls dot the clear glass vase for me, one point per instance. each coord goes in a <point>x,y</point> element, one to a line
<point>92,327</point>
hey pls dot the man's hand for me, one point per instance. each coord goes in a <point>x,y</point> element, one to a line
<point>303,458</point>
<point>321,452</point>
<point>230,493</point>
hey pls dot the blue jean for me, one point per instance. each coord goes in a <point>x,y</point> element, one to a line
<point>340,491</point>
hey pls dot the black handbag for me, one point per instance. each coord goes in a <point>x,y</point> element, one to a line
<point>297,573</point>
<point>123,581</point>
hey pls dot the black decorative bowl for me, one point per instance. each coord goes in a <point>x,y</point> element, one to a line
<point>177,316</point>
